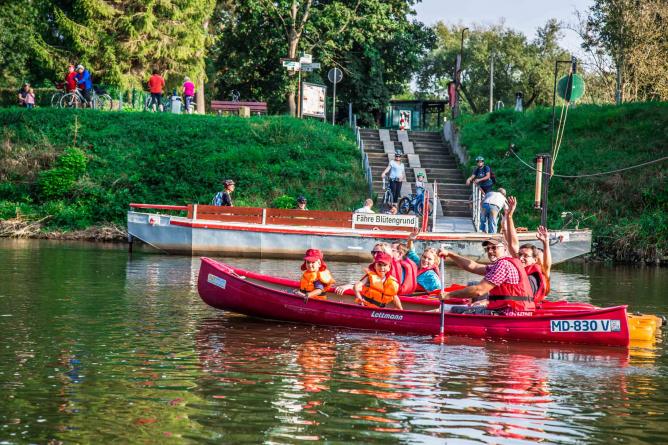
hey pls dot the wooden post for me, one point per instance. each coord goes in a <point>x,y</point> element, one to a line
<point>538,187</point>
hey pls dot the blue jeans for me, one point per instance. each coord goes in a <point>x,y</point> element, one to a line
<point>488,218</point>
<point>189,100</point>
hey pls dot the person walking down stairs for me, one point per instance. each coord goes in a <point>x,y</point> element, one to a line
<point>482,175</point>
<point>397,174</point>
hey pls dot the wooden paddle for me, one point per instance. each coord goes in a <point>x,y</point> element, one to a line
<point>441,336</point>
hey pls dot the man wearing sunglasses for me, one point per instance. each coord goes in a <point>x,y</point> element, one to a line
<point>504,279</point>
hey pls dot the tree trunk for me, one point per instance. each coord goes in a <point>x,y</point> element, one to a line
<point>533,97</point>
<point>292,54</point>
<point>618,90</point>
<point>201,105</point>
<point>199,98</point>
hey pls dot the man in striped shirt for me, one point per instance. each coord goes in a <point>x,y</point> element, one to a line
<point>504,281</point>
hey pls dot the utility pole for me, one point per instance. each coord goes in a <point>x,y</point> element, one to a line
<point>299,93</point>
<point>458,73</point>
<point>491,82</point>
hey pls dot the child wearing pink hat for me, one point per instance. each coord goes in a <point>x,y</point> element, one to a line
<point>378,287</point>
<point>316,278</point>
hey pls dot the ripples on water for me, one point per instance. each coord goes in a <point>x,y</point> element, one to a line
<point>98,347</point>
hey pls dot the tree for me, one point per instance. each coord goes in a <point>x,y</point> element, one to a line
<point>377,70</point>
<point>350,34</point>
<point>632,35</point>
<point>23,53</point>
<point>124,40</point>
<point>519,65</point>
<point>120,41</point>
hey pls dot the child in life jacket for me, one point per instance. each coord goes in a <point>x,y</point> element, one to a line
<point>316,277</point>
<point>420,184</point>
<point>427,276</point>
<point>378,287</point>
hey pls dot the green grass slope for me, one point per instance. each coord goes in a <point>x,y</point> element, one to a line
<point>627,210</point>
<point>167,159</point>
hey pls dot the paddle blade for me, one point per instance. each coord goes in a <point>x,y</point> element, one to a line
<point>439,339</point>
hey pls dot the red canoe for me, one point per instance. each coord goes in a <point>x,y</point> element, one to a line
<point>245,292</point>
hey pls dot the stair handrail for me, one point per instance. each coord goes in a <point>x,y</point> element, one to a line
<point>433,221</point>
<point>367,174</point>
<point>365,161</point>
<point>477,196</point>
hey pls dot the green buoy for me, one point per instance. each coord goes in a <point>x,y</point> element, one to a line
<point>577,89</point>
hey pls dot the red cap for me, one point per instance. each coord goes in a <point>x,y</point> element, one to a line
<point>314,255</point>
<point>382,257</point>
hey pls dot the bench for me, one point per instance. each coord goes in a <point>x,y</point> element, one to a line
<point>221,106</point>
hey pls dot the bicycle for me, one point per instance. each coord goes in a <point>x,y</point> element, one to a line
<point>55,99</point>
<point>148,104</point>
<point>414,202</point>
<point>100,100</point>
<point>388,198</point>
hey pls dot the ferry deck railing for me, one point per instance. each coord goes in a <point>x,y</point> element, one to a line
<point>205,214</point>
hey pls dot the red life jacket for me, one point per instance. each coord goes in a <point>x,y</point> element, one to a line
<point>395,269</point>
<point>516,297</point>
<point>409,271</point>
<point>537,272</point>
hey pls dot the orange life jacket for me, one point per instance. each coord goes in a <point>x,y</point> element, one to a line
<point>307,283</point>
<point>378,292</point>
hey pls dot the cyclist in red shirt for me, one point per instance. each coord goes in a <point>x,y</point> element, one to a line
<point>70,80</point>
<point>155,85</point>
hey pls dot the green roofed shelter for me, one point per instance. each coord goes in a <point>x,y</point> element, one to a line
<point>415,114</point>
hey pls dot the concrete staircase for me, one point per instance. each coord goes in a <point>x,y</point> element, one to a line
<point>425,151</point>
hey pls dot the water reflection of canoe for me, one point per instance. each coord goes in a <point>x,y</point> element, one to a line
<point>248,293</point>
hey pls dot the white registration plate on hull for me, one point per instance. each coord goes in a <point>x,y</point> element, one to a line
<point>585,325</point>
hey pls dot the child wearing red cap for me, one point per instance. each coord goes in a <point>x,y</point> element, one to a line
<point>316,277</point>
<point>378,287</point>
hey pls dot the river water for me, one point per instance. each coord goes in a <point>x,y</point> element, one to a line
<point>102,347</point>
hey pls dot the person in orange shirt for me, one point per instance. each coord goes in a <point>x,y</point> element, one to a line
<point>155,85</point>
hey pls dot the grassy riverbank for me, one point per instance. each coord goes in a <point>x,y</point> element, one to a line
<point>118,158</point>
<point>627,210</point>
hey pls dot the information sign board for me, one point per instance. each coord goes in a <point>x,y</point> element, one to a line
<point>291,65</point>
<point>381,219</point>
<point>313,100</point>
